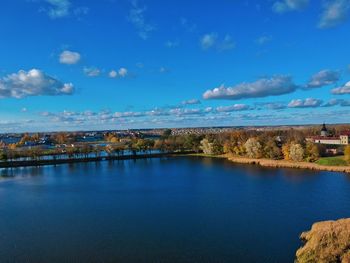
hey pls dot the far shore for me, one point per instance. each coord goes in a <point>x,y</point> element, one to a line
<point>241,160</point>
<point>279,163</point>
<point>15,164</point>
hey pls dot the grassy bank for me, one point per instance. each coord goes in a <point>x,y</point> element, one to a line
<point>332,161</point>
<point>333,164</point>
<point>291,164</point>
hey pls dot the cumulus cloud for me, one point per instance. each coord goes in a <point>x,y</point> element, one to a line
<point>335,102</point>
<point>69,57</point>
<point>274,105</point>
<point>226,44</point>
<point>189,27</point>
<point>191,102</point>
<point>92,72</point>
<point>284,6</point>
<point>334,12</point>
<point>307,103</point>
<point>172,44</point>
<point>32,83</point>
<point>208,40</point>
<point>137,18</point>
<point>323,78</point>
<point>235,107</point>
<point>179,112</point>
<point>211,40</point>
<point>121,73</point>
<point>113,74</point>
<point>345,89</point>
<point>58,8</point>
<point>263,40</point>
<point>264,87</point>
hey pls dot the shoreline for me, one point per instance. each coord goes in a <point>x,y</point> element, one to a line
<point>239,160</point>
<point>288,164</point>
<point>279,163</point>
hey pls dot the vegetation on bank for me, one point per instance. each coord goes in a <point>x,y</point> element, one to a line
<point>327,241</point>
<point>289,145</point>
<point>332,161</point>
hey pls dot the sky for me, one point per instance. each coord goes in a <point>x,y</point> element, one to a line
<point>125,64</point>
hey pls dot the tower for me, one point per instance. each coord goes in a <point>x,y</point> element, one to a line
<point>324,132</point>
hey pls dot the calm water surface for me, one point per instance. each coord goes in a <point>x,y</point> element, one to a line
<point>180,209</point>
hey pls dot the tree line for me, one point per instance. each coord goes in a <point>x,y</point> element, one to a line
<point>286,144</point>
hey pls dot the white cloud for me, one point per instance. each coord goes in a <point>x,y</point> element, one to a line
<point>307,103</point>
<point>264,87</point>
<point>323,78</point>
<point>335,102</point>
<point>211,40</point>
<point>226,44</point>
<point>184,112</point>
<point>172,44</point>
<point>137,18</point>
<point>284,6</point>
<point>121,73</point>
<point>274,105</point>
<point>263,40</point>
<point>235,107</point>
<point>24,109</point>
<point>81,10</point>
<point>69,57</point>
<point>58,8</point>
<point>92,72</point>
<point>334,13</point>
<point>32,83</point>
<point>189,27</point>
<point>345,89</point>
<point>113,74</point>
<point>208,40</point>
<point>191,102</point>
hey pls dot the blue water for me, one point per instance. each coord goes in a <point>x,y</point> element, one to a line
<point>179,209</point>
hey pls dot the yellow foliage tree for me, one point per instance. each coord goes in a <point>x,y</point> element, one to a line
<point>285,151</point>
<point>347,153</point>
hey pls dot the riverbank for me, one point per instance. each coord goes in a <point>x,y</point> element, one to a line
<point>279,163</point>
<point>327,241</point>
<point>288,164</point>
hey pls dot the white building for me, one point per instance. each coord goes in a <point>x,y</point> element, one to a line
<point>324,138</point>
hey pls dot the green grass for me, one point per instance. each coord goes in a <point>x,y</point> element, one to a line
<point>332,161</point>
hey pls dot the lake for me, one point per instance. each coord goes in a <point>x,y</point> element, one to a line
<point>181,209</point>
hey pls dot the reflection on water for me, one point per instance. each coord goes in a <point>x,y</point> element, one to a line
<point>180,209</point>
<point>21,172</point>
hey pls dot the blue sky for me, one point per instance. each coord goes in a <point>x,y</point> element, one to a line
<point>119,64</point>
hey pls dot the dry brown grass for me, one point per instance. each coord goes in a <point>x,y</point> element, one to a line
<point>327,241</point>
<point>288,164</point>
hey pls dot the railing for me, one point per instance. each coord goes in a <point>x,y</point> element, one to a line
<point>41,162</point>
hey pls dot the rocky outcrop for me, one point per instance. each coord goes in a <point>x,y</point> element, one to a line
<point>327,241</point>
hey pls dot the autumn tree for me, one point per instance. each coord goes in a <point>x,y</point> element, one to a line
<point>286,151</point>
<point>271,150</point>
<point>312,152</point>
<point>347,153</point>
<point>206,146</point>
<point>296,152</point>
<point>253,148</point>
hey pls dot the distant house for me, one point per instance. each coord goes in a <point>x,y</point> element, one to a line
<point>325,138</point>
